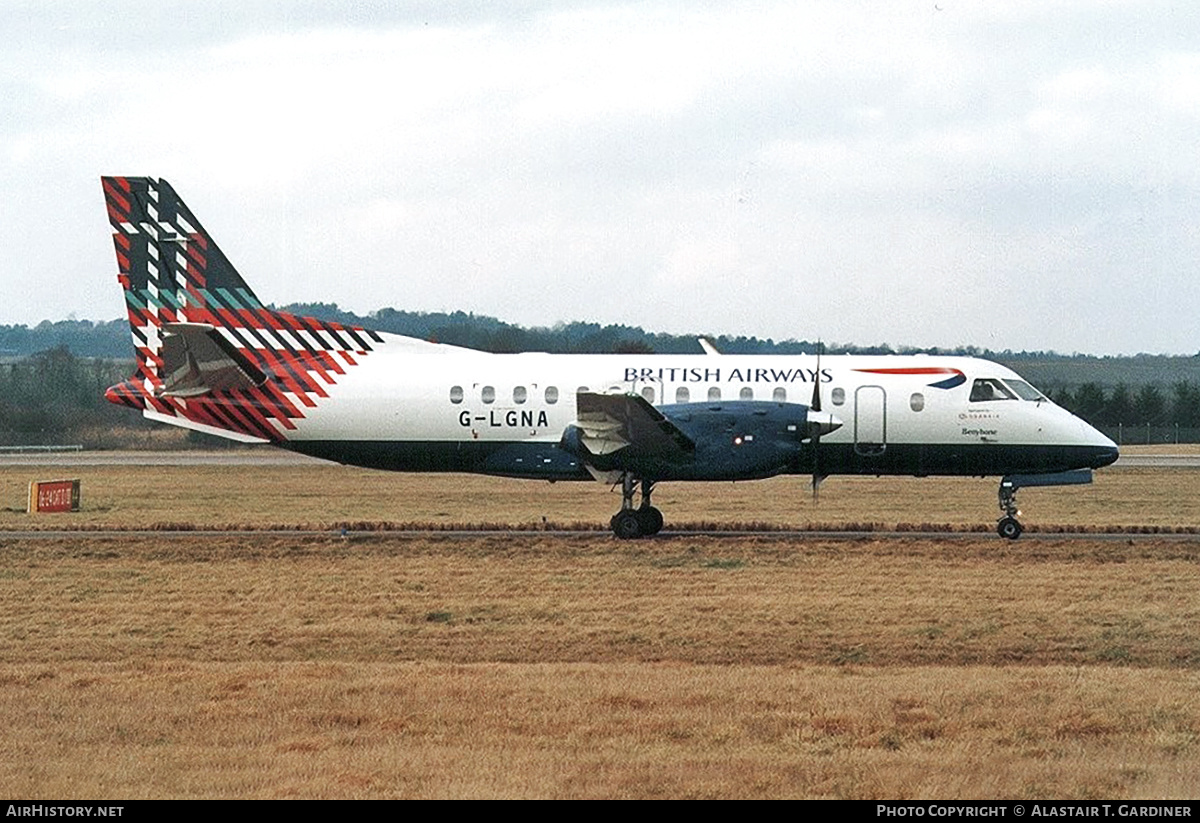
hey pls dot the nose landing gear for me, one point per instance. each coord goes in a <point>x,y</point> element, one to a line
<point>1008,526</point>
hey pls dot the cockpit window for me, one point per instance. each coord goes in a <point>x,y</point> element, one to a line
<point>1025,391</point>
<point>987,388</point>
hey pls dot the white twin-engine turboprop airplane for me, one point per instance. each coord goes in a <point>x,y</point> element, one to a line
<point>211,357</point>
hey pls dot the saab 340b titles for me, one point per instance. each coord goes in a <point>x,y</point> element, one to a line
<point>211,357</point>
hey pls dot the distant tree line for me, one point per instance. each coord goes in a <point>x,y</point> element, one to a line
<point>110,339</point>
<point>84,338</point>
<point>476,331</point>
<point>52,394</point>
<point>1148,405</point>
<point>53,375</point>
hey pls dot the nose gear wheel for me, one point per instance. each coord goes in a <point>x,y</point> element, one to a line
<point>1008,526</point>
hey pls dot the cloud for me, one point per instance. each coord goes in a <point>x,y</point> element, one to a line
<point>858,171</point>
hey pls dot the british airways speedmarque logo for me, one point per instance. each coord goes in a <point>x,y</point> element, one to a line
<point>955,378</point>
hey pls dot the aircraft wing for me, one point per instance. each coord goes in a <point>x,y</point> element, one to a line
<point>608,423</point>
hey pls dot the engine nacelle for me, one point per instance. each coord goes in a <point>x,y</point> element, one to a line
<point>745,438</point>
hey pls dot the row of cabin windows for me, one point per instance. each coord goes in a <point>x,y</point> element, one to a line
<point>682,395</point>
<point>519,394</point>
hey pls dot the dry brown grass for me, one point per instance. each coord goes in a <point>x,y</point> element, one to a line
<point>323,496</point>
<point>336,730</point>
<point>542,599</point>
<point>535,666</point>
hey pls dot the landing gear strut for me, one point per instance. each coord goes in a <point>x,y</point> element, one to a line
<point>630,523</point>
<point>1008,526</point>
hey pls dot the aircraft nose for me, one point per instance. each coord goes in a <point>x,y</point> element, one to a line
<point>1105,456</point>
<point>1104,451</point>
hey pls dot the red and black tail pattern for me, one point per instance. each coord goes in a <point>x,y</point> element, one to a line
<point>173,273</point>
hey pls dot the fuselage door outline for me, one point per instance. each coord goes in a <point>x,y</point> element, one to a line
<point>870,420</point>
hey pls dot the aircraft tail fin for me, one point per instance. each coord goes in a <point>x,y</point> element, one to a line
<point>168,258</point>
<point>210,356</point>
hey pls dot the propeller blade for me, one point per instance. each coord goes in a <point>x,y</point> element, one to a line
<point>815,406</point>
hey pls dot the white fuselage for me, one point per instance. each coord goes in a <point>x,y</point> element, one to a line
<point>414,393</point>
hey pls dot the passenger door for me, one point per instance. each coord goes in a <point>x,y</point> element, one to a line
<point>870,420</point>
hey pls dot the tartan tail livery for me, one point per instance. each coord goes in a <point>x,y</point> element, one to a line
<point>212,358</point>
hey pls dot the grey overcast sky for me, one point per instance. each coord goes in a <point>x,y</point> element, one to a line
<point>1002,173</point>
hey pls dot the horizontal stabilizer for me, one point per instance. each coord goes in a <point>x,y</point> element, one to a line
<point>193,425</point>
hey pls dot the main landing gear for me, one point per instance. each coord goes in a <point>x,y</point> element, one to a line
<point>630,523</point>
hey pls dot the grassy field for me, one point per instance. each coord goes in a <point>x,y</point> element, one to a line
<point>540,666</point>
<point>320,496</point>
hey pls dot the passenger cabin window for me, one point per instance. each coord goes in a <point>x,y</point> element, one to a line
<point>838,396</point>
<point>779,395</point>
<point>519,394</point>
<point>551,395</point>
<point>488,395</point>
<point>916,402</point>
<point>746,393</point>
<point>714,393</point>
<point>987,388</point>
<point>456,394</point>
<point>682,395</point>
<point>648,393</point>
